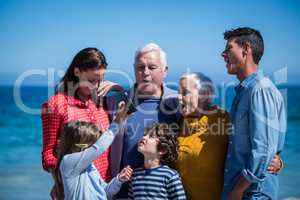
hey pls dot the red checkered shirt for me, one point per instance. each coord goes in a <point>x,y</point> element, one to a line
<point>61,109</point>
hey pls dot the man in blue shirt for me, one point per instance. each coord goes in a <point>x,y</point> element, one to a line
<point>149,101</point>
<point>258,119</point>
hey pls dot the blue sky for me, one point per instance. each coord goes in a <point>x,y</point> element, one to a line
<point>47,34</point>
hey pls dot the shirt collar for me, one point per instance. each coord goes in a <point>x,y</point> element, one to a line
<point>166,92</point>
<point>246,82</point>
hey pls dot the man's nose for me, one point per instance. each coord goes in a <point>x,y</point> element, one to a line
<point>223,54</point>
<point>146,71</point>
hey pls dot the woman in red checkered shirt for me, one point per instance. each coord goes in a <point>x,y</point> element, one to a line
<point>74,101</point>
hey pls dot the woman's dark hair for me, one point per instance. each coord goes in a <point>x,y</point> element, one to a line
<point>167,142</point>
<point>248,35</point>
<point>88,58</point>
<point>76,136</point>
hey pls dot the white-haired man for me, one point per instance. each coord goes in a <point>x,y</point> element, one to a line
<point>149,101</point>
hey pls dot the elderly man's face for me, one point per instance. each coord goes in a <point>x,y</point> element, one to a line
<point>149,73</point>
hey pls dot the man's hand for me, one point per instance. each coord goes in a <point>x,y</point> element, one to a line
<point>125,174</point>
<point>275,165</point>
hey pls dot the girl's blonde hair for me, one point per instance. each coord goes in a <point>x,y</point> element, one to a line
<point>76,136</point>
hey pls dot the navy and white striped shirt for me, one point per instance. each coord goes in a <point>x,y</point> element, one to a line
<point>156,184</point>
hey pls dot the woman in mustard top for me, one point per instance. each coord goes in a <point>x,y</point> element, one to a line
<point>202,140</point>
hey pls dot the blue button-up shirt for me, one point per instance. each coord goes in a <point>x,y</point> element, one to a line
<point>258,131</point>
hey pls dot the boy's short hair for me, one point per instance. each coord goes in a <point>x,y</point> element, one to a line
<point>167,142</point>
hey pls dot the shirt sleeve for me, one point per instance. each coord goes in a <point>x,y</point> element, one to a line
<point>51,122</point>
<point>175,188</point>
<point>113,187</point>
<point>264,129</point>
<point>282,128</point>
<point>79,161</point>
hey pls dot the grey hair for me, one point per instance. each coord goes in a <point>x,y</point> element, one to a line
<point>203,83</point>
<point>152,47</point>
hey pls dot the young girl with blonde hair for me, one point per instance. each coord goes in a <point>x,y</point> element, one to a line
<point>75,175</point>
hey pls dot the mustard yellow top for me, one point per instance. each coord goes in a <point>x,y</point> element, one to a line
<point>202,152</point>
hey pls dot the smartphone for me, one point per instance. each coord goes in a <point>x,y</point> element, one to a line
<point>129,101</point>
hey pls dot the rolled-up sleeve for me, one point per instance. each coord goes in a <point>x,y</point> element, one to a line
<point>51,123</point>
<point>264,132</point>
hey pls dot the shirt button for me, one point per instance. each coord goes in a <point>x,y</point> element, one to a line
<point>230,142</point>
<point>92,117</point>
<point>226,170</point>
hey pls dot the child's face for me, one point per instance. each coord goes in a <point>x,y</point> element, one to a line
<point>188,97</point>
<point>148,145</point>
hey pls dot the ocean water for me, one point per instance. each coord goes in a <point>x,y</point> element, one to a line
<point>21,174</point>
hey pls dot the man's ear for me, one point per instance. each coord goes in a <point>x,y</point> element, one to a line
<point>166,71</point>
<point>247,49</point>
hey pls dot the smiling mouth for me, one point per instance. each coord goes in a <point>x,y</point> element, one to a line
<point>226,61</point>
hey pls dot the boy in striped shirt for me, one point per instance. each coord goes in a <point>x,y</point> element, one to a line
<point>156,180</point>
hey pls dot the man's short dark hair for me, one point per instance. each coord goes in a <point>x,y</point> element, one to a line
<point>167,142</point>
<point>248,35</point>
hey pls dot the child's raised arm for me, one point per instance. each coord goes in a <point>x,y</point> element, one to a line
<point>79,161</point>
